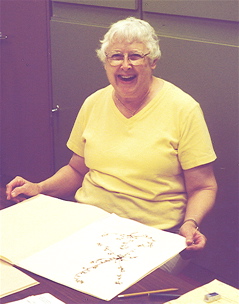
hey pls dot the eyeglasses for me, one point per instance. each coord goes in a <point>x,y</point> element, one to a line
<point>116,59</point>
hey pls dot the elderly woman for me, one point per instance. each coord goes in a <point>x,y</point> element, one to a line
<point>141,147</point>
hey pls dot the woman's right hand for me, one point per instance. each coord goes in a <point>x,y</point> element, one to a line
<point>20,189</point>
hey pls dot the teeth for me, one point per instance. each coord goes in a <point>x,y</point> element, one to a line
<point>126,77</point>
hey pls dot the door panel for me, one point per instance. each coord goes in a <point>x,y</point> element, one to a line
<point>26,132</point>
<point>76,70</point>
<point>127,4</point>
<point>76,73</point>
<point>210,9</point>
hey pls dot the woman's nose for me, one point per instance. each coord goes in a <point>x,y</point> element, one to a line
<point>126,63</point>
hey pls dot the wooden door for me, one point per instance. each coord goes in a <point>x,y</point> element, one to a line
<point>26,131</point>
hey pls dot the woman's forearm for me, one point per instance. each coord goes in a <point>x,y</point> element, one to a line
<point>200,203</point>
<point>63,183</point>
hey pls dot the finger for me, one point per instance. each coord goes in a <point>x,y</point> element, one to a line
<point>199,237</point>
<point>199,242</point>
<point>189,242</point>
<point>195,247</point>
<point>9,188</point>
<point>16,182</point>
<point>189,237</point>
<point>8,191</point>
<point>19,191</point>
<point>20,198</point>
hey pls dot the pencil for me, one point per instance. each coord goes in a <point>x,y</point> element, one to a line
<point>146,292</point>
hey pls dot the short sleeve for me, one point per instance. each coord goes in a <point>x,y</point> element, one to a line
<point>76,141</point>
<point>195,145</point>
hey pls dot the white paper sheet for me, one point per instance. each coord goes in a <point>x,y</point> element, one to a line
<point>40,221</point>
<point>229,294</point>
<point>45,298</point>
<point>106,257</point>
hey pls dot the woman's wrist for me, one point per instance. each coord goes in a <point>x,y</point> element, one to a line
<point>40,188</point>
<point>192,221</point>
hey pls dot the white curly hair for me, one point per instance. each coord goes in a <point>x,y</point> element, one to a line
<point>131,30</point>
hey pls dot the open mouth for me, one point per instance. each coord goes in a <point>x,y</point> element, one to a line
<point>126,78</point>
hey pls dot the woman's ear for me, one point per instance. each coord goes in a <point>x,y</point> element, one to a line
<point>154,64</point>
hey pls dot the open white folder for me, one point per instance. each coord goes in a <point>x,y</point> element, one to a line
<point>83,247</point>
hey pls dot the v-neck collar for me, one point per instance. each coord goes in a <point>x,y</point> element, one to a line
<point>141,112</point>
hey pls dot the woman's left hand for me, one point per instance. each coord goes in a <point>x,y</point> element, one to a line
<point>195,240</point>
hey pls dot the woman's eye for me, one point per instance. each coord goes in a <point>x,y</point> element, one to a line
<point>135,56</point>
<point>117,57</point>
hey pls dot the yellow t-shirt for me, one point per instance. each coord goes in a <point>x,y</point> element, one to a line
<point>136,164</point>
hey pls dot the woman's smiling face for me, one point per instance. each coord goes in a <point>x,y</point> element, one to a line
<point>128,80</point>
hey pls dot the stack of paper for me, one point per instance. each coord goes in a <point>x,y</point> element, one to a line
<point>13,280</point>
